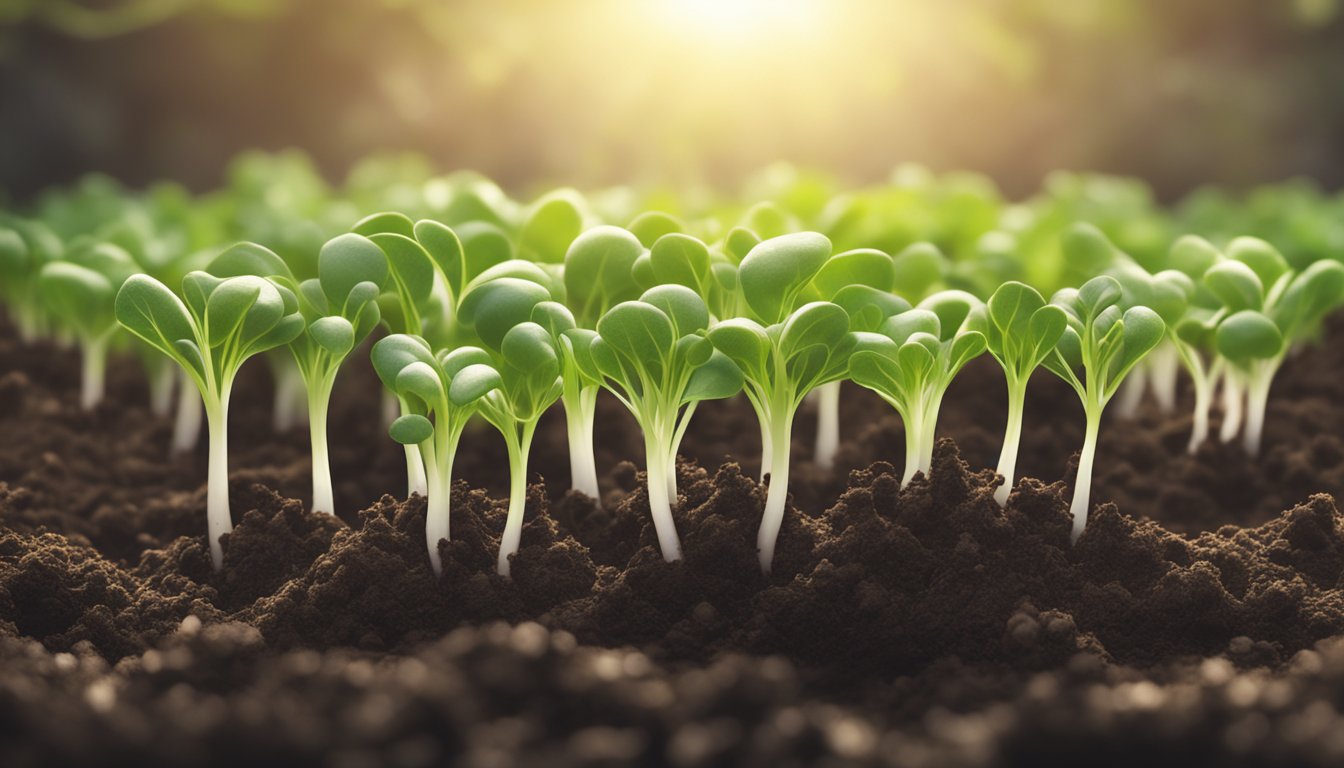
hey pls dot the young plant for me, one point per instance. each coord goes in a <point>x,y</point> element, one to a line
<point>221,323</point>
<point>598,274</point>
<point>1104,342</point>
<point>80,293</point>
<point>440,405</point>
<point>653,356</point>
<point>911,361</point>
<point>1267,308</point>
<point>1192,334</point>
<point>527,366</point>
<point>1020,331</point>
<point>340,310</point>
<point>783,354</point>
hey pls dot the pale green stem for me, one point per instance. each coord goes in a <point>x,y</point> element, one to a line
<point>828,425</point>
<point>913,430</point>
<point>660,488</point>
<point>162,379</point>
<point>767,449</point>
<point>187,425</point>
<point>439,469</point>
<point>580,414</point>
<point>1257,401</point>
<point>519,446</point>
<point>318,403</point>
<point>1234,396</point>
<point>93,381</point>
<point>778,493</point>
<point>1131,392</point>
<point>929,433</point>
<point>218,518</point>
<point>1012,440</point>
<point>1082,487</point>
<point>1164,370</point>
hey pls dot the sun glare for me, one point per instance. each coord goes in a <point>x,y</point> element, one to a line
<point>742,20</point>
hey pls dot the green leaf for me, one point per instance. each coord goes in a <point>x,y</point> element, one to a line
<point>446,251</point>
<point>739,243</point>
<point>744,342</point>
<point>1086,250</point>
<point>1248,335</point>
<point>682,305</point>
<point>551,226</point>
<point>483,246</point>
<point>248,259</point>
<point>777,270</point>
<point>421,380</point>
<point>1315,291</point>
<point>819,323</point>
<point>1192,255</point>
<point>918,268</point>
<point>348,260</point>
<point>868,307</point>
<point>152,312</point>
<point>681,259</point>
<point>495,307</point>
<point>865,266</point>
<point>393,353</point>
<point>652,225</point>
<point>78,295</point>
<point>599,272</point>
<point>641,332</point>
<point>229,306</point>
<point>411,429</point>
<point>952,309</point>
<point>472,383</point>
<point>1263,258</point>
<point>334,334</point>
<point>1235,285</point>
<point>389,223</point>
<point>715,379</point>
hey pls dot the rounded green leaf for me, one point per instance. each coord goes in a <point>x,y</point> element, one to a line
<point>744,341</point>
<point>639,331</point>
<point>899,328</point>
<point>1192,255</point>
<point>334,334</point>
<point>868,307</point>
<point>457,359</point>
<point>248,259</point>
<point>652,225</point>
<point>493,308</point>
<point>229,305</point>
<point>682,305</point>
<point>952,308</point>
<point>680,259</point>
<point>348,260</point>
<point>411,429</point>
<point>385,223</point>
<point>472,383</point>
<point>1263,258</point>
<point>819,323</point>
<point>864,266</point>
<point>739,243</point>
<point>445,249</point>
<point>715,379</point>
<point>1143,330</point>
<point>77,295</point>
<point>918,268</point>
<point>420,380</point>
<point>1235,285</point>
<point>599,272</point>
<point>1086,249</point>
<point>551,226</point>
<point>1097,295</point>
<point>775,271</point>
<point>1248,335</point>
<point>483,246</point>
<point>393,353</point>
<point>408,265</point>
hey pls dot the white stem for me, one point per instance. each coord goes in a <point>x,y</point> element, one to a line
<point>913,431</point>
<point>513,524</point>
<point>1131,392</point>
<point>416,482</point>
<point>187,425</point>
<point>1012,438</point>
<point>391,409</point>
<point>929,428</point>
<point>161,384</point>
<point>1257,400</point>
<point>218,518</point>
<point>93,381</point>
<point>323,496</point>
<point>660,499</point>
<point>767,449</point>
<point>828,425</point>
<point>776,496</point>
<point>436,510</point>
<point>1233,400</point>
<point>1164,371</point>
<point>1082,487</point>
<point>1203,404</point>
<point>283,416</point>
<point>580,413</point>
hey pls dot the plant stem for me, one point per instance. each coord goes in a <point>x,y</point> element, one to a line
<point>778,493</point>
<point>519,445</point>
<point>660,499</point>
<point>94,376</point>
<point>580,413</point>
<point>218,518</point>
<point>1257,400</point>
<point>828,425</point>
<point>390,408</point>
<point>929,427</point>
<point>1199,432</point>
<point>767,449</point>
<point>1131,392</point>
<point>1012,439</point>
<point>318,401</point>
<point>1233,401</point>
<point>187,426</point>
<point>913,430</point>
<point>1164,369</point>
<point>161,383</point>
<point>416,482</point>
<point>1082,487</point>
<point>440,474</point>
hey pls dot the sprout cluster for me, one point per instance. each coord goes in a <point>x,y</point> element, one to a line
<point>477,307</point>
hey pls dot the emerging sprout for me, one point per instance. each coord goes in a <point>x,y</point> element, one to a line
<point>1020,330</point>
<point>80,292</point>
<point>653,356</point>
<point>222,323</point>
<point>911,361</point>
<point>440,406</point>
<point>791,354</point>
<point>1104,343</point>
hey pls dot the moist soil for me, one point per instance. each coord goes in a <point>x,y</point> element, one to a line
<point>1200,617</point>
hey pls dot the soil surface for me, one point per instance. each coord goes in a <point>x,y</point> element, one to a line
<point>1199,619</point>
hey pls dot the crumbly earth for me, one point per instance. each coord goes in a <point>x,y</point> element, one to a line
<point>1200,618</point>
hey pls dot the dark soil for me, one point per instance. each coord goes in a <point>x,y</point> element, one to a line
<point>1199,619</point>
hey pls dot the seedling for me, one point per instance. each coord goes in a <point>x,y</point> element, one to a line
<point>1104,343</point>
<point>221,323</point>
<point>80,293</point>
<point>911,361</point>
<point>1020,331</point>
<point>440,404</point>
<point>783,354</point>
<point>653,356</point>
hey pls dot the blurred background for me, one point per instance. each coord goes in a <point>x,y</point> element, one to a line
<point>670,92</point>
